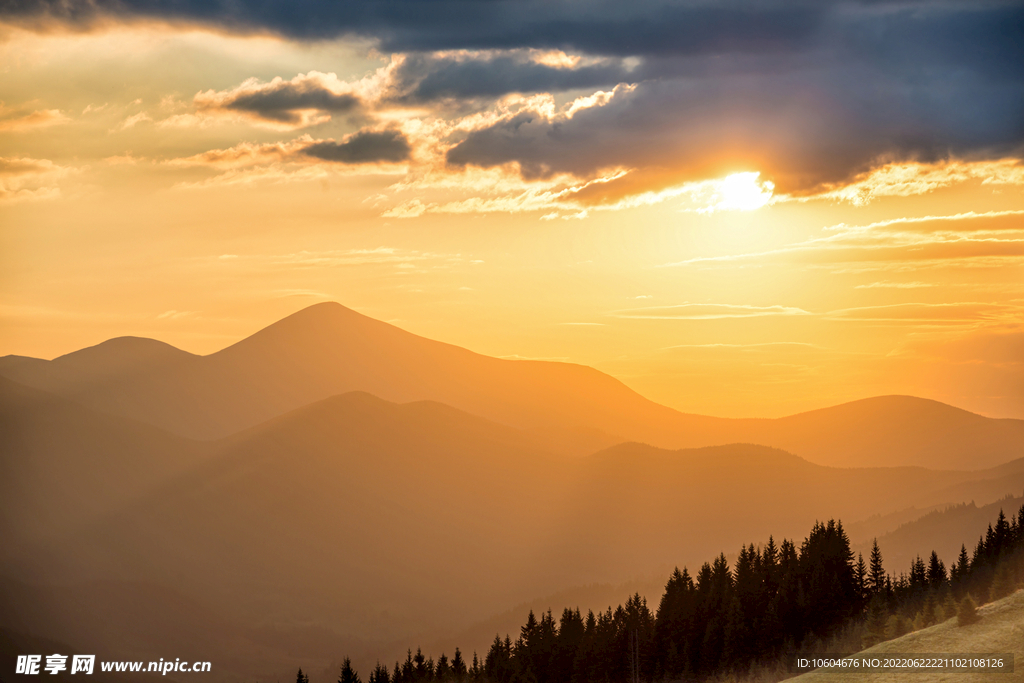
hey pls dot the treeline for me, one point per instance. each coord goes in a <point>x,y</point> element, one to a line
<point>775,600</point>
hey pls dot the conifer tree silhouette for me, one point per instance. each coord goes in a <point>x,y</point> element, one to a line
<point>379,674</point>
<point>459,670</point>
<point>876,573</point>
<point>348,674</point>
<point>936,571</point>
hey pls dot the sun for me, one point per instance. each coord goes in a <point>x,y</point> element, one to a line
<point>743,192</point>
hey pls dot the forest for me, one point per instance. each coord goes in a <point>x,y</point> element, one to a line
<point>775,600</point>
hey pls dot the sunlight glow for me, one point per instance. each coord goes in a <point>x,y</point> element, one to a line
<point>742,192</point>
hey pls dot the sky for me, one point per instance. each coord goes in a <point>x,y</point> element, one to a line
<point>736,208</point>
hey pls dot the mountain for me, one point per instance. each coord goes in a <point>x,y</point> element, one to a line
<point>943,531</point>
<point>64,465</point>
<point>893,430</point>
<point>327,349</point>
<point>354,523</point>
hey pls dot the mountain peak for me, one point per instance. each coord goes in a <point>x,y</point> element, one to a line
<point>121,354</point>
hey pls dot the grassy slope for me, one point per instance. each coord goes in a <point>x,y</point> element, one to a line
<point>1000,630</point>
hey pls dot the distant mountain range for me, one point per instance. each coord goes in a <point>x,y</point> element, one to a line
<point>333,484</point>
<point>327,349</point>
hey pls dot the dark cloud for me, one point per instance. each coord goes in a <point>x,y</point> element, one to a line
<point>596,26</point>
<point>425,77</point>
<point>363,147</point>
<point>809,91</point>
<point>803,128</point>
<point>283,102</point>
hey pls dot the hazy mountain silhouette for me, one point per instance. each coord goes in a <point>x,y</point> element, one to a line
<point>943,531</point>
<point>363,519</point>
<point>328,349</point>
<point>64,465</point>
<point>894,430</point>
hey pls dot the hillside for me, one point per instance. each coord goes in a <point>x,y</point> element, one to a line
<point>1000,631</point>
<point>327,349</point>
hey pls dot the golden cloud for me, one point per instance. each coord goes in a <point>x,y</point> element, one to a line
<point>24,179</point>
<point>14,121</point>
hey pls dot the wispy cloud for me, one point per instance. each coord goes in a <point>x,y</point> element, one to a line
<point>950,238</point>
<point>690,311</point>
<point>301,159</point>
<point>337,257</point>
<point>895,285</point>
<point>134,120</point>
<point>914,178</point>
<point>935,313</point>
<point>754,346</point>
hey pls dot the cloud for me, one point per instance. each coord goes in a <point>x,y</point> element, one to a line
<point>301,159</point>
<point>306,100</point>
<point>176,315</point>
<point>246,154</point>
<point>363,147</point>
<point>406,25</point>
<point>23,178</point>
<point>895,285</point>
<point>12,120</point>
<point>134,120</point>
<point>391,256</point>
<point>814,95</point>
<point>907,179</point>
<point>706,312</point>
<point>425,77</point>
<point>934,313</point>
<point>970,238</point>
<point>758,346</point>
<point>807,129</point>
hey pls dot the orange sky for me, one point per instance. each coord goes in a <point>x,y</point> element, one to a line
<point>138,197</point>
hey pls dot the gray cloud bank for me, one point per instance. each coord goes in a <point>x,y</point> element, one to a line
<point>811,92</point>
<point>363,147</point>
<point>282,102</point>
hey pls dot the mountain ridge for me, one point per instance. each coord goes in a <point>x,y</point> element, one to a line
<point>327,349</point>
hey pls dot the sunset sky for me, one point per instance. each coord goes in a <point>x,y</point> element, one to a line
<point>738,209</point>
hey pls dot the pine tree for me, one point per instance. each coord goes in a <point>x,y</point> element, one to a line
<point>861,576</point>
<point>936,571</point>
<point>877,616</point>
<point>379,674</point>
<point>897,626</point>
<point>459,667</point>
<point>348,674</point>
<point>301,677</point>
<point>928,617</point>
<point>422,669</point>
<point>876,574</point>
<point>1001,534</point>
<point>1004,583</point>
<point>968,613</point>
<point>948,606</point>
<point>443,670</point>
<point>961,569</point>
<point>918,574</point>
